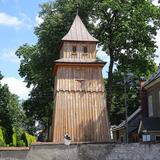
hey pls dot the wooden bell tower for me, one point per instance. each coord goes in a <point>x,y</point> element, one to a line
<point>80,105</point>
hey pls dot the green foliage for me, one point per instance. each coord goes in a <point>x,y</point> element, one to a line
<point>117,113</point>
<point>28,139</point>
<point>14,137</point>
<point>2,137</point>
<point>21,143</point>
<point>125,29</point>
<point>20,138</point>
<point>12,117</point>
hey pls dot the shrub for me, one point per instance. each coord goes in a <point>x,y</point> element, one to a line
<point>21,143</point>
<point>2,137</point>
<point>14,137</point>
<point>19,138</point>
<point>28,138</point>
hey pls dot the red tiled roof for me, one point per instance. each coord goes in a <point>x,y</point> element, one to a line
<point>78,32</point>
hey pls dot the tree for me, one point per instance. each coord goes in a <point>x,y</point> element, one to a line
<point>11,113</point>
<point>117,112</point>
<point>127,30</point>
<point>122,27</point>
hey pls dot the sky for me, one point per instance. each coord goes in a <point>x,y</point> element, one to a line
<point>17,21</point>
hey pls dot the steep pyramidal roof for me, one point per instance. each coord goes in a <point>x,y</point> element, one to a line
<point>78,32</point>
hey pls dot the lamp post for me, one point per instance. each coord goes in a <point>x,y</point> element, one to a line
<point>67,142</point>
<point>126,107</point>
<point>127,79</point>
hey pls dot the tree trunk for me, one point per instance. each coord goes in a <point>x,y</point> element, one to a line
<point>109,84</point>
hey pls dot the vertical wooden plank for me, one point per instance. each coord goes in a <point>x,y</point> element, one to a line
<point>58,117</point>
<point>77,116</point>
<point>54,123</point>
<point>69,115</point>
<point>97,115</point>
<point>94,51</point>
<point>61,116</point>
<point>90,118</point>
<point>88,115</point>
<point>72,117</point>
<point>93,119</point>
<point>93,100</point>
<point>64,117</point>
<point>80,114</point>
<point>67,50</point>
<point>100,115</point>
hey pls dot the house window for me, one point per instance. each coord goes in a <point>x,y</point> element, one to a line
<point>85,49</point>
<point>158,138</point>
<point>74,49</point>
<point>150,106</point>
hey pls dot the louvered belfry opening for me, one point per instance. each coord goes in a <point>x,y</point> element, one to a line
<point>79,96</point>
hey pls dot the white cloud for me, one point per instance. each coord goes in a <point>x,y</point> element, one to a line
<point>12,21</point>
<point>9,55</point>
<point>9,20</point>
<point>39,20</point>
<point>157,59</point>
<point>17,86</point>
<point>155,2</point>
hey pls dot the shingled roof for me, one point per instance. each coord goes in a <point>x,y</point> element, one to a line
<point>153,77</point>
<point>78,32</point>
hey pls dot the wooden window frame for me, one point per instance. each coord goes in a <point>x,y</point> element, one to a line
<point>85,52</point>
<point>150,106</point>
<point>74,49</point>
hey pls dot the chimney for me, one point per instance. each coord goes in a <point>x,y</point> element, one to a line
<point>142,81</point>
<point>143,98</point>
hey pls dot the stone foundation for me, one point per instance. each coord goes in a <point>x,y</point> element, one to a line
<point>49,151</point>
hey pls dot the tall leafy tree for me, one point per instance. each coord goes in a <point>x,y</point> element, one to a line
<point>11,113</point>
<point>118,109</point>
<point>126,30</point>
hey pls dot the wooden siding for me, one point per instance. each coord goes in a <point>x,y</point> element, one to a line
<point>79,79</point>
<point>82,115</point>
<point>80,106</point>
<point>154,92</point>
<point>67,50</point>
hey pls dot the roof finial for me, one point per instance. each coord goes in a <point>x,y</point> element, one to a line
<point>77,9</point>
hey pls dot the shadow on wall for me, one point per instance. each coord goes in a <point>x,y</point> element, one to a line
<point>95,131</point>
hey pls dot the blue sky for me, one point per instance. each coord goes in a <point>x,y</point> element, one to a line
<point>17,21</point>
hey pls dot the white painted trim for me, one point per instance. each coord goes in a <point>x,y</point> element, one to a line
<point>140,126</point>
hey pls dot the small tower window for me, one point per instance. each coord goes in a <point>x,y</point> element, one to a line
<point>74,49</point>
<point>85,49</point>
